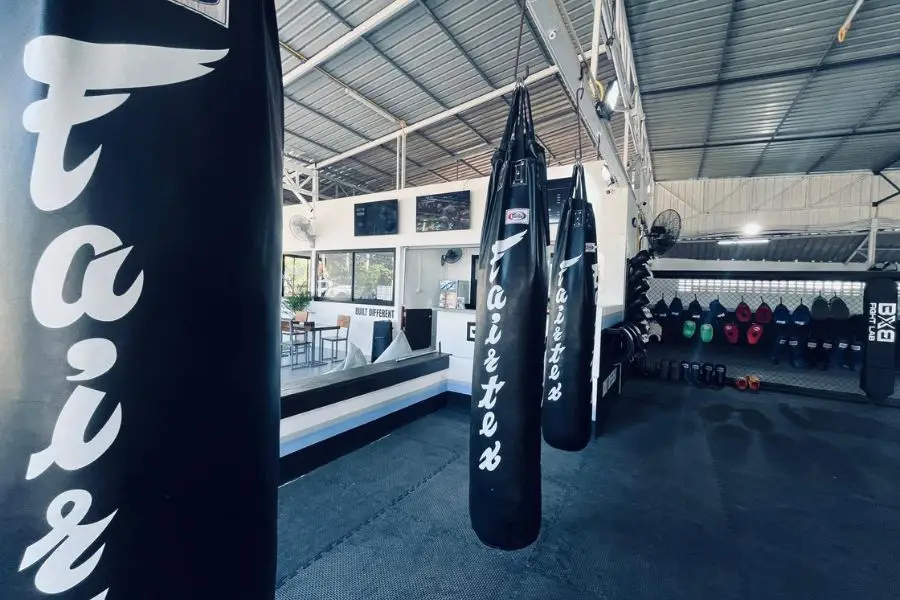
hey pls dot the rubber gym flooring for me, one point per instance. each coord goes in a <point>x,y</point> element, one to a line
<point>694,494</point>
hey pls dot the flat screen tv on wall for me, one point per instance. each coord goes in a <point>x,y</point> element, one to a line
<point>443,212</point>
<point>557,190</point>
<point>376,218</point>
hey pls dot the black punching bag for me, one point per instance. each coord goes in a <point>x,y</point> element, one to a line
<point>141,189</point>
<point>505,437</point>
<point>880,312</point>
<point>566,412</point>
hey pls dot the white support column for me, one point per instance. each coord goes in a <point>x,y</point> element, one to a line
<point>315,189</point>
<point>873,237</point>
<point>403,159</point>
<point>397,161</point>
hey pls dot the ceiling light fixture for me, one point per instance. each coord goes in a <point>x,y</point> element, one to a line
<point>744,242</point>
<point>751,229</point>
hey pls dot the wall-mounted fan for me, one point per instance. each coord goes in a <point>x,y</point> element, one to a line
<point>664,232</point>
<point>451,256</point>
<point>303,228</point>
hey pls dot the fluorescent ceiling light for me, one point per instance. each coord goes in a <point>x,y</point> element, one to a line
<point>371,106</point>
<point>751,229</point>
<point>744,242</point>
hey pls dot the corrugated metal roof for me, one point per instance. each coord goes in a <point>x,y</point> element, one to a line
<point>433,55</point>
<point>711,75</point>
<point>768,85</point>
<point>677,42</point>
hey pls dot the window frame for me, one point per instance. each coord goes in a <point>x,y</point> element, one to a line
<point>353,300</point>
<point>284,258</point>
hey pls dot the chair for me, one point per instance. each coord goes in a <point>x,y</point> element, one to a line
<point>341,335</point>
<point>297,342</point>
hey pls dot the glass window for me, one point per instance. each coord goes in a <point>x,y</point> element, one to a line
<point>364,276</point>
<point>294,275</point>
<point>373,277</point>
<point>334,278</point>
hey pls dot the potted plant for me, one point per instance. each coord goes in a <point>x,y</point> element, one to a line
<point>298,303</point>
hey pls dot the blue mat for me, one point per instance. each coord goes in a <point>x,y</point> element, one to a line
<point>693,494</point>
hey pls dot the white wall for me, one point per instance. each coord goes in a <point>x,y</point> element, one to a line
<point>835,201</point>
<point>424,273</point>
<point>334,231</point>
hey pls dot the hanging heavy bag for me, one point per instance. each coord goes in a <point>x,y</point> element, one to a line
<point>566,410</point>
<point>505,436</point>
<point>129,470</point>
<point>880,312</point>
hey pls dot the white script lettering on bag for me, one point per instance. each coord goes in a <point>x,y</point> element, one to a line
<point>557,350</point>
<point>77,74</point>
<point>496,302</point>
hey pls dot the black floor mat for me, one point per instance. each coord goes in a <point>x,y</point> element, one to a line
<point>693,494</point>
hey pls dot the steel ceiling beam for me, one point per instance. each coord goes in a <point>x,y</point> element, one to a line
<point>345,41</point>
<point>403,72</point>
<point>462,51</point>
<point>329,149</point>
<point>349,88</point>
<point>785,138</point>
<point>564,51</point>
<point>831,152</point>
<point>295,164</point>
<point>353,131</point>
<point>796,100</point>
<point>716,95</point>
<point>872,60</point>
<point>440,117</point>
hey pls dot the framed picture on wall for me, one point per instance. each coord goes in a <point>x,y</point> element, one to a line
<point>443,212</point>
<point>376,218</point>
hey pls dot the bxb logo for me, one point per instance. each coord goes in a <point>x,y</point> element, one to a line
<point>215,10</point>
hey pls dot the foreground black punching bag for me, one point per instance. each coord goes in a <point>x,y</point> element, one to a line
<point>566,411</point>
<point>505,437</point>
<point>141,190</point>
<point>880,312</point>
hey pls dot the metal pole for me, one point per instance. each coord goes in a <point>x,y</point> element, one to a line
<point>399,150</point>
<point>403,160</point>
<point>873,237</point>
<point>315,188</point>
<point>625,146</point>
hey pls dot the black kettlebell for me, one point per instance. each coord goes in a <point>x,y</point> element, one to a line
<point>684,374</point>
<point>719,376</point>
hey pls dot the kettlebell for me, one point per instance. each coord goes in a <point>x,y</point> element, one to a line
<point>720,376</point>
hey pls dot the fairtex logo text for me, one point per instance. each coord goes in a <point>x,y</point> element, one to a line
<point>78,95</point>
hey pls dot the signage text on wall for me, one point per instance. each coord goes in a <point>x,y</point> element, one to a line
<point>381,313</point>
